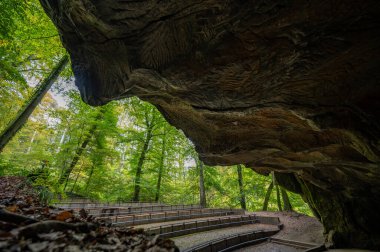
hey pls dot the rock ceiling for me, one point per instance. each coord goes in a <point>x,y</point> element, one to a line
<point>285,86</point>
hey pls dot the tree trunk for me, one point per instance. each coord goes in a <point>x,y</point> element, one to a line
<point>277,192</point>
<point>29,107</point>
<point>61,141</point>
<point>122,159</point>
<point>31,142</point>
<point>241,188</point>
<point>202,191</point>
<point>161,166</point>
<point>89,178</point>
<point>267,196</point>
<point>78,153</point>
<point>285,198</point>
<point>76,179</point>
<point>136,194</point>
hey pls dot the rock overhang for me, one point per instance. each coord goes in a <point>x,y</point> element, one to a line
<point>284,86</point>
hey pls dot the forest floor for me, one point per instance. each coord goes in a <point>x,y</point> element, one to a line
<point>28,225</point>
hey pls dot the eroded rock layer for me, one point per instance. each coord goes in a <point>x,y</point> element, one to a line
<point>286,86</point>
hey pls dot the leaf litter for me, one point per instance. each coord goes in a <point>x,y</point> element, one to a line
<point>27,225</point>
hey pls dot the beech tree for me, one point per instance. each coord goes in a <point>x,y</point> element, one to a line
<point>86,140</point>
<point>280,192</point>
<point>32,103</point>
<point>241,187</point>
<point>202,190</point>
<point>161,163</point>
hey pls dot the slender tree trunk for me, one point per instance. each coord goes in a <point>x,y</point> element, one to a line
<point>122,159</point>
<point>277,192</point>
<point>136,194</point>
<point>31,142</point>
<point>89,177</point>
<point>285,198</point>
<point>202,191</point>
<point>161,167</point>
<point>29,107</point>
<point>267,196</point>
<point>241,188</point>
<point>278,198</point>
<point>61,141</point>
<point>78,153</point>
<point>76,179</point>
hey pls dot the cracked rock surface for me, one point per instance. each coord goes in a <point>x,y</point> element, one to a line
<point>286,86</point>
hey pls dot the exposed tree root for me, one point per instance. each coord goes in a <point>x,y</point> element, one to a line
<point>47,226</point>
<point>14,218</point>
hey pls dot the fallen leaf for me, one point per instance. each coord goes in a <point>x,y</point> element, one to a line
<point>51,236</point>
<point>3,244</point>
<point>12,208</point>
<point>62,216</point>
<point>38,246</point>
<point>79,237</point>
<point>73,248</point>
<point>29,200</point>
<point>4,234</point>
<point>83,214</point>
<point>29,211</point>
<point>106,247</point>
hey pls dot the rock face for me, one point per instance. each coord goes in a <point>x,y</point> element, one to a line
<point>290,86</point>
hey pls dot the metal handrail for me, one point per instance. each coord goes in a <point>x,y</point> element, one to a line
<point>151,209</point>
<point>215,242</point>
<point>164,233</point>
<point>204,228</point>
<point>196,222</point>
<point>70,204</point>
<point>174,217</point>
<point>202,210</point>
<point>134,209</point>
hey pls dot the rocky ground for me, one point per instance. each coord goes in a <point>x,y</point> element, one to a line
<point>28,225</point>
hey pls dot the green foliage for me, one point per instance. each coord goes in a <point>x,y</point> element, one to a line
<point>12,12</point>
<point>27,53</point>
<point>106,170</point>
